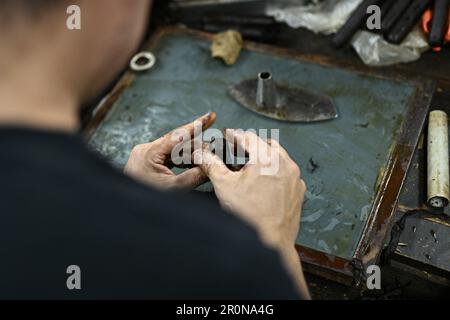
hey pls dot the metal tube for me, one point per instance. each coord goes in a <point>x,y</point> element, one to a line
<point>266,92</point>
<point>438,162</point>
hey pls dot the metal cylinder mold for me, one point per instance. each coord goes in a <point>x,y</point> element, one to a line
<point>438,162</point>
<point>266,91</point>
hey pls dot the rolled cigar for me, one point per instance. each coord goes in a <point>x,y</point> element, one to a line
<point>438,163</point>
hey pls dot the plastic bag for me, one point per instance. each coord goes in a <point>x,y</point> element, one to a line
<point>375,51</point>
<point>325,17</point>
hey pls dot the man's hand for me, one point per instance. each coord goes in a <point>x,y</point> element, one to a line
<point>270,202</point>
<point>151,163</point>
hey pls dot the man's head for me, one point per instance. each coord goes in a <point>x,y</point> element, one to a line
<point>37,43</point>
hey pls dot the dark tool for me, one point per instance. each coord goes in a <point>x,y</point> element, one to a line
<point>265,97</point>
<point>439,23</point>
<point>248,33</point>
<point>239,20</point>
<point>257,28</point>
<point>393,14</point>
<point>426,22</point>
<point>408,20</point>
<point>190,11</point>
<point>356,21</point>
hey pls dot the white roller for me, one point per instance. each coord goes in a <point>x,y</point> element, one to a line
<point>438,162</point>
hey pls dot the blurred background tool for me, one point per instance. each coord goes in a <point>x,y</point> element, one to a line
<point>192,11</point>
<point>386,8</point>
<point>393,14</point>
<point>252,27</point>
<point>436,24</point>
<point>398,20</point>
<point>407,21</point>
<point>245,16</point>
<point>439,23</point>
<point>356,21</point>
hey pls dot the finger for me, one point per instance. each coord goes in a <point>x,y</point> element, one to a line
<point>272,142</point>
<point>191,179</point>
<point>189,163</point>
<point>229,143</point>
<point>248,141</point>
<point>303,185</point>
<point>210,164</point>
<point>188,131</point>
<point>206,122</point>
<point>275,145</point>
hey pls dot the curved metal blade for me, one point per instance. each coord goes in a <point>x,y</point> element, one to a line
<point>294,105</point>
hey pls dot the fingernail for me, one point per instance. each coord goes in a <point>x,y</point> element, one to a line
<point>206,117</point>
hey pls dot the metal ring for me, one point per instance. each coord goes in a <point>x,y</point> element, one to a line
<point>142,61</point>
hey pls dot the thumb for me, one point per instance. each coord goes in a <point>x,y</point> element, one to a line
<point>210,164</point>
<point>191,179</point>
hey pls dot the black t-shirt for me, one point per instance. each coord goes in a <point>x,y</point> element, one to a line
<point>61,205</point>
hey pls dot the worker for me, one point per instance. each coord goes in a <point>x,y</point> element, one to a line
<point>74,227</point>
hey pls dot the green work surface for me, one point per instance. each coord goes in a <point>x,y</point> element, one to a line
<point>350,151</point>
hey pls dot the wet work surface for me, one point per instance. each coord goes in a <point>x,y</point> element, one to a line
<point>341,160</point>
